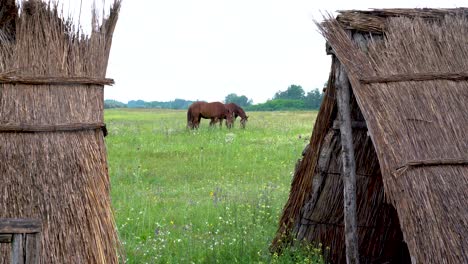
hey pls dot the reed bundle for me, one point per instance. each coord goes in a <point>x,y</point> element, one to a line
<point>58,174</point>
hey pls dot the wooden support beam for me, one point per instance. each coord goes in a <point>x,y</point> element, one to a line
<point>27,226</point>
<point>354,124</point>
<point>24,235</point>
<point>318,181</point>
<point>349,165</point>
<point>17,253</point>
<point>32,248</point>
<point>328,49</point>
<point>6,238</point>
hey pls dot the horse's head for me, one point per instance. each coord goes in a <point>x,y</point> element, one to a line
<point>243,121</point>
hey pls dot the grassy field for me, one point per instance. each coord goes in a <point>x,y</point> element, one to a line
<point>206,196</point>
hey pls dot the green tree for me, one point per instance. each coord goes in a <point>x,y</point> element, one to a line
<point>313,99</point>
<point>294,92</point>
<point>242,100</point>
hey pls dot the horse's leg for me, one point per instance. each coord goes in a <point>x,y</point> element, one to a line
<point>213,121</point>
<point>190,124</point>
<point>193,122</point>
<point>230,125</point>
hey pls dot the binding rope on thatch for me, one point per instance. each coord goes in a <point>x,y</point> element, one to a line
<point>54,80</point>
<point>434,162</point>
<point>19,128</point>
<point>415,77</point>
<point>308,221</point>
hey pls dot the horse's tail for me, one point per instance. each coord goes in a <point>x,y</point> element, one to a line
<point>189,118</point>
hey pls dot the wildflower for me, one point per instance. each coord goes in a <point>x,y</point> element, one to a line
<point>229,137</point>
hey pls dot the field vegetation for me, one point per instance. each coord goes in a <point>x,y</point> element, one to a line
<point>210,195</point>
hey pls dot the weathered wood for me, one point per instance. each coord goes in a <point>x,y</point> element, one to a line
<point>329,49</point>
<point>32,248</point>
<point>6,238</point>
<point>27,226</point>
<point>349,166</point>
<point>25,238</point>
<point>17,254</point>
<point>318,180</point>
<point>354,125</point>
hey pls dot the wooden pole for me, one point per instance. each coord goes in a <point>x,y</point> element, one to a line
<point>24,234</point>
<point>349,165</point>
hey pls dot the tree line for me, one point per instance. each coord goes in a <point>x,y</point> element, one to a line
<point>176,104</point>
<point>293,98</point>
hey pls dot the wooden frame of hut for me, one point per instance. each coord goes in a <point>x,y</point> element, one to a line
<point>408,75</point>
<point>54,165</point>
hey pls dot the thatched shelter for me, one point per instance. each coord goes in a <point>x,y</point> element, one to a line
<point>52,149</point>
<point>408,71</point>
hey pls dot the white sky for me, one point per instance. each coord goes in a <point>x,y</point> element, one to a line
<point>207,49</point>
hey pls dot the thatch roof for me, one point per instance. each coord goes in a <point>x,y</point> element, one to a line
<point>54,165</point>
<point>409,74</point>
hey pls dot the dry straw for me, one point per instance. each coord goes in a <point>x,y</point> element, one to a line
<point>415,108</point>
<point>58,176</point>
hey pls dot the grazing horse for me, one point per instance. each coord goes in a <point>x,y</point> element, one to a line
<point>236,111</point>
<point>214,111</point>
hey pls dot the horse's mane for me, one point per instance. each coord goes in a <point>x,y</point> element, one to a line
<point>238,110</point>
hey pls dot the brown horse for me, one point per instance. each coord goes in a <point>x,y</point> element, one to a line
<point>236,111</point>
<point>214,111</point>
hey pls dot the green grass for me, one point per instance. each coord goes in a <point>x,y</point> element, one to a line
<point>206,196</point>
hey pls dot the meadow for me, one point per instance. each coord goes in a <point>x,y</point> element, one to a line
<point>210,195</point>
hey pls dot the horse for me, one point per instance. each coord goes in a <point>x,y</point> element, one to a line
<point>236,111</point>
<point>214,111</point>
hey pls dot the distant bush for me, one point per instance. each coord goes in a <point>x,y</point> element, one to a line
<point>176,104</point>
<point>291,99</point>
<point>279,104</point>
<point>113,104</point>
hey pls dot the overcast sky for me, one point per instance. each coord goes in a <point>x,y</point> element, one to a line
<point>207,49</point>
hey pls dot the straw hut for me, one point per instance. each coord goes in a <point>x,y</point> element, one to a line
<point>52,149</point>
<point>408,76</point>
